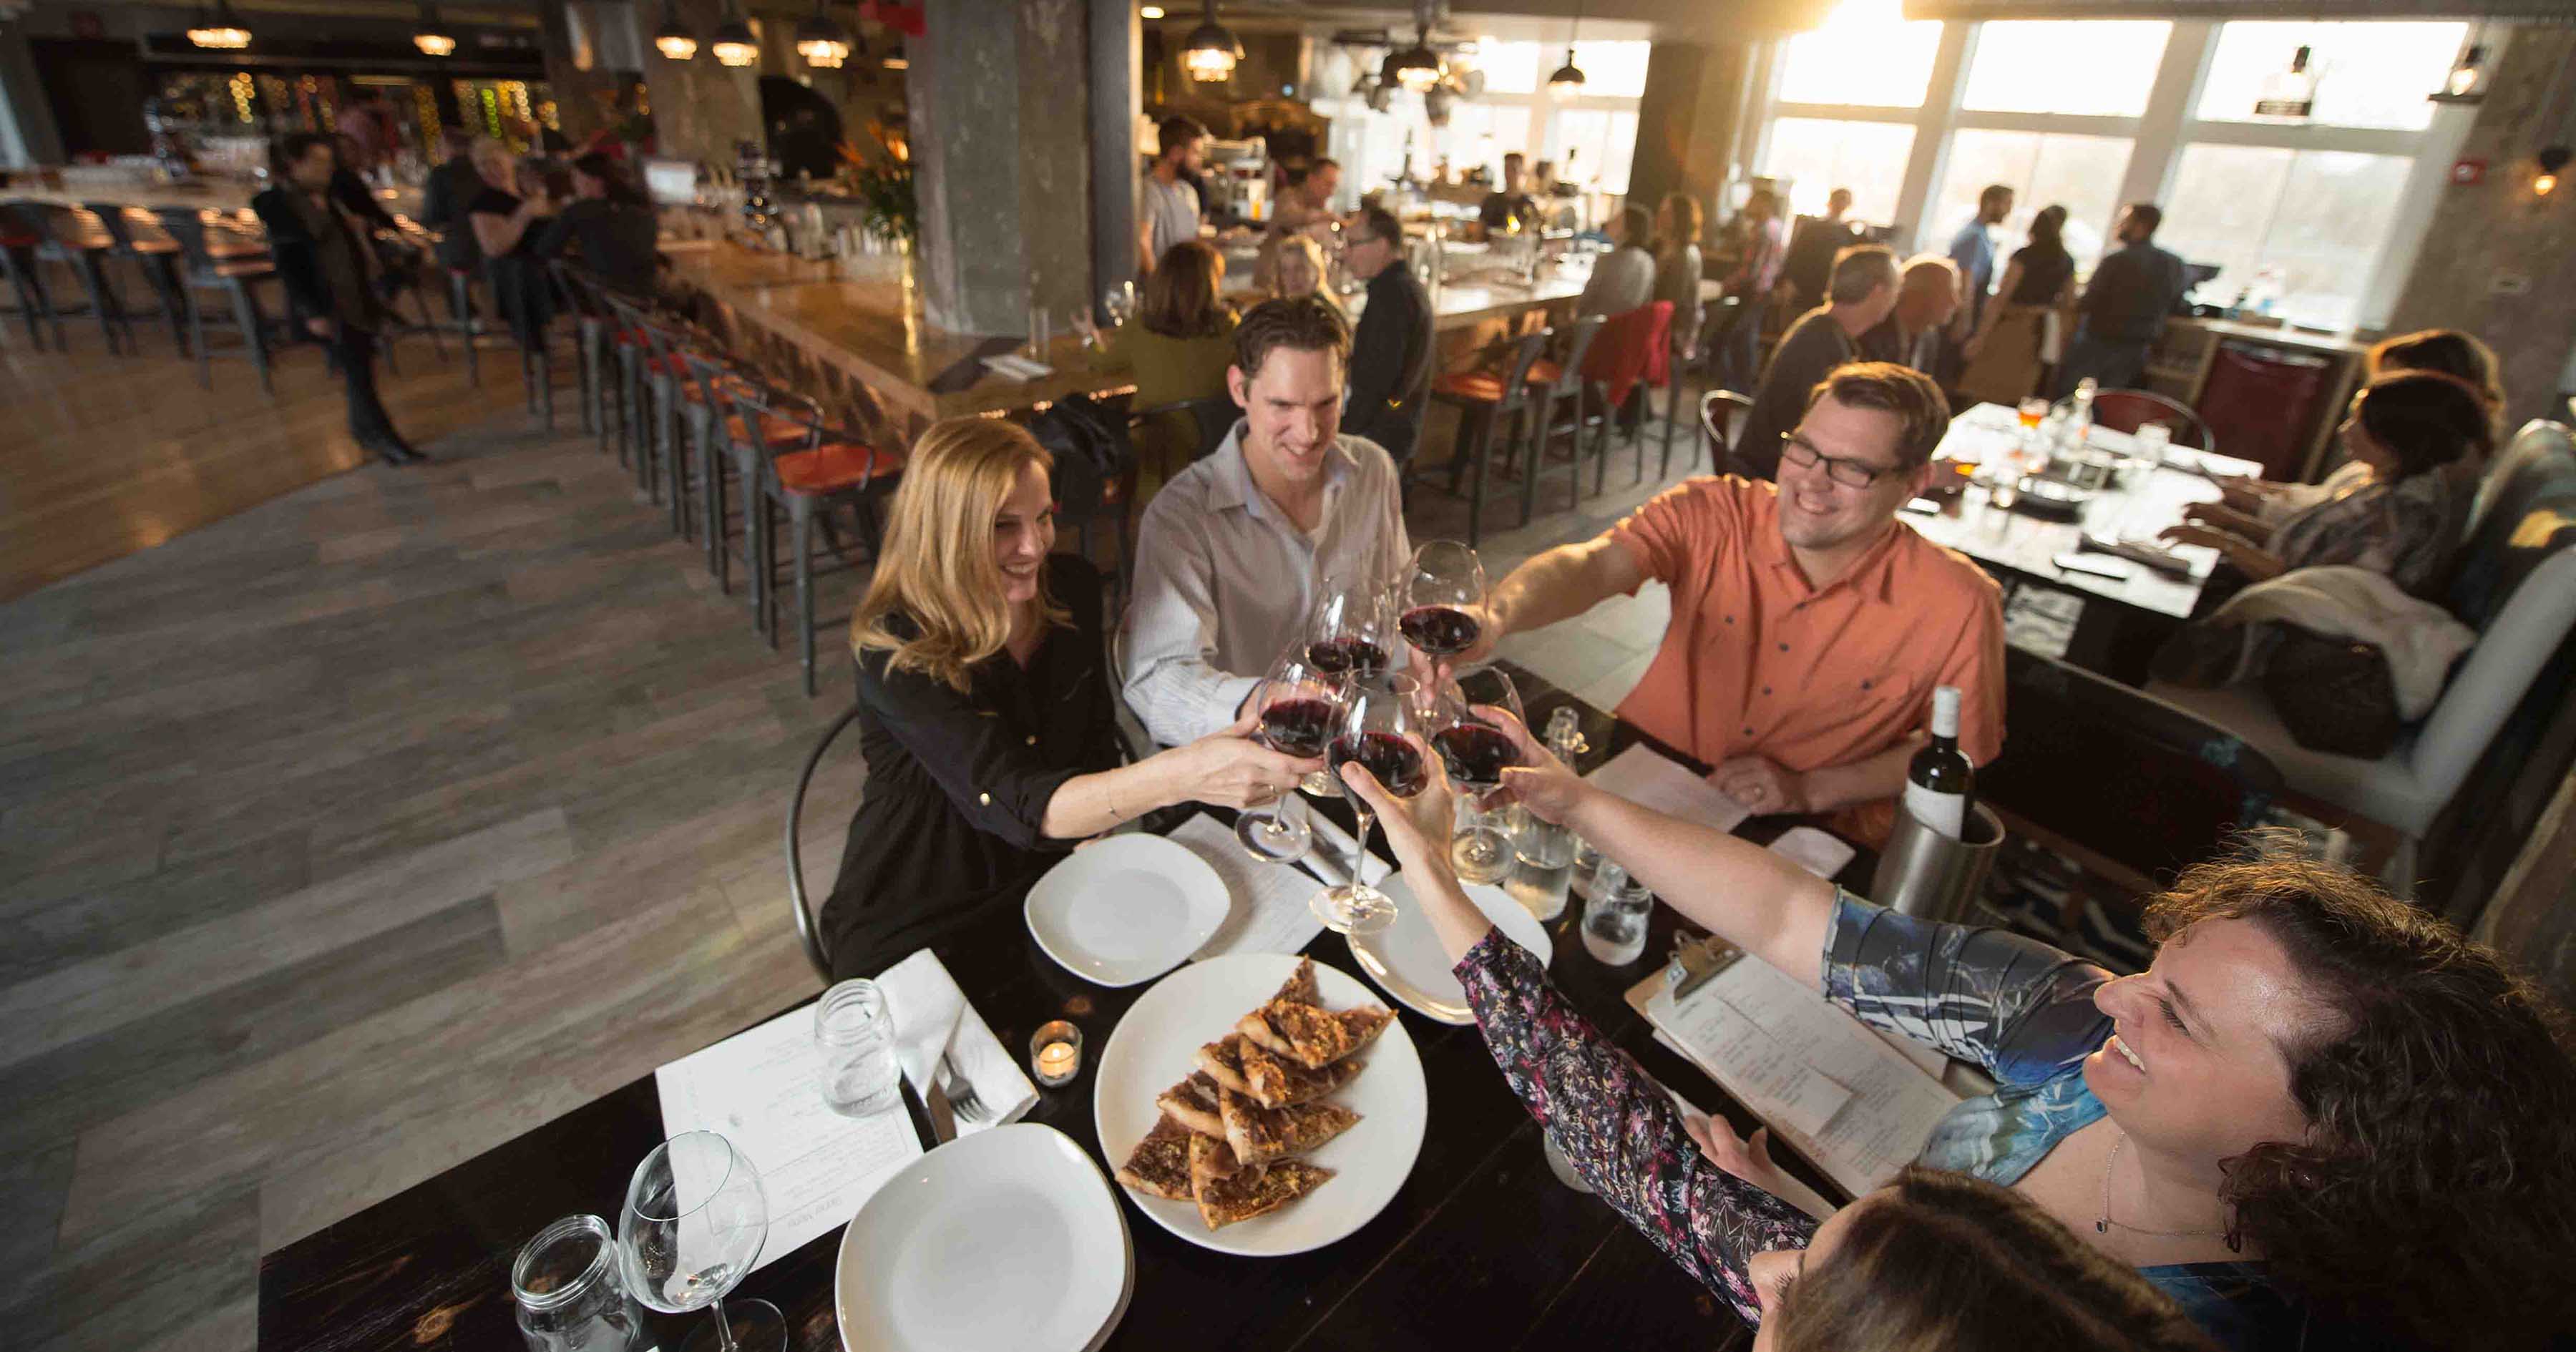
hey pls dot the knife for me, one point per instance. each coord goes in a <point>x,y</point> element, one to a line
<point>943,1116</point>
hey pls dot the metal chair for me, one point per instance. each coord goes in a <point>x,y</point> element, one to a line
<point>62,236</point>
<point>139,239</point>
<point>808,934</point>
<point>1715,408</point>
<point>2129,410</point>
<point>235,269</point>
<point>822,470</point>
<point>1484,400</point>
<point>1559,380</point>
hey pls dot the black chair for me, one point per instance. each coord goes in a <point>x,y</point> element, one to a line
<point>235,269</point>
<point>590,339</point>
<point>1715,408</point>
<point>139,239</point>
<point>1484,400</point>
<point>59,235</point>
<point>808,935</point>
<point>2129,410</point>
<point>1560,379</point>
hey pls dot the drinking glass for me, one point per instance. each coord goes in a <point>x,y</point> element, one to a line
<point>693,1224</point>
<point>1351,630</point>
<point>855,1035</point>
<point>1380,714</point>
<point>1297,708</point>
<point>1119,304</point>
<point>1442,592</point>
<point>1476,753</point>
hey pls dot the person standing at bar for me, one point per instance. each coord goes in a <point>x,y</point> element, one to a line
<point>1973,249</point>
<point>452,185</point>
<point>2124,306</point>
<point>608,225</point>
<point>322,259</point>
<point>1390,373</point>
<point>1862,292</point>
<point>1304,210</point>
<point>1167,207</point>
<point>1511,208</point>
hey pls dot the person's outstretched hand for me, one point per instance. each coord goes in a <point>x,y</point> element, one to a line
<point>1229,769</point>
<point>1541,782</point>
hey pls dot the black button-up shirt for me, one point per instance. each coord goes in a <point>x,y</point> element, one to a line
<point>1390,369</point>
<point>949,830</point>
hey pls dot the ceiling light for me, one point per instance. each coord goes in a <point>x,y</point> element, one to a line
<point>821,41</point>
<point>673,39</point>
<point>733,43</point>
<point>2467,82</point>
<point>2552,159</point>
<point>432,37</point>
<point>221,30</point>
<point>1212,49</point>
<point>1417,67</point>
<point>1150,12</point>
<point>1568,79</point>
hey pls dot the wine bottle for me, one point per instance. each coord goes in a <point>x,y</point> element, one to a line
<point>1939,781</point>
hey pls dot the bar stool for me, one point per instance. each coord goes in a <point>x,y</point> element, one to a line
<point>728,447</point>
<point>1483,400</point>
<point>18,241</point>
<point>1631,346</point>
<point>140,240</point>
<point>232,266</point>
<point>83,246</point>
<point>460,307</point>
<point>1557,381</point>
<point>590,335</point>
<point>819,473</point>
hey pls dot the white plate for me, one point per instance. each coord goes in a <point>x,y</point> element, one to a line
<point>1407,960</point>
<point>1127,909</point>
<point>1157,1044</point>
<point>1007,1240</point>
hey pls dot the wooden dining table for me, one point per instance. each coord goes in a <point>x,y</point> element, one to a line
<point>1481,1247</point>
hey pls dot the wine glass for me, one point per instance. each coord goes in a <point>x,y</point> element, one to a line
<point>1442,592</point>
<point>1297,706</point>
<point>1476,753</point>
<point>694,1222</point>
<point>1352,629</point>
<point>1379,710</point>
<point>1119,303</point>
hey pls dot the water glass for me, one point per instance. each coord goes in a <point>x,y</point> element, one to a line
<point>2152,440</point>
<point>855,1035</point>
<point>1614,921</point>
<point>571,1297</point>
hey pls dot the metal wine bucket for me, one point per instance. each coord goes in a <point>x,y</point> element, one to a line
<point>1925,873</point>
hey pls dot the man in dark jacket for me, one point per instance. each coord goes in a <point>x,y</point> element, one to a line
<point>322,260</point>
<point>1390,379</point>
<point>443,199</point>
<point>2124,307</point>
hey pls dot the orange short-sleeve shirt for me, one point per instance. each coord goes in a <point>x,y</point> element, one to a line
<point>1759,662</point>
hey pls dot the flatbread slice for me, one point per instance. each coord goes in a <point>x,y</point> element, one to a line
<point>1260,1135</point>
<point>1160,1164</point>
<point>1258,1192</point>
<point>1211,1158</point>
<point>1275,1083</point>
<point>1192,1103</point>
<point>1300,985</point>
<point>1222,1061</point>
<point>1312,1037</point>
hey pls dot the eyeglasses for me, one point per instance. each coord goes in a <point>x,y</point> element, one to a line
<point>1799,451</point>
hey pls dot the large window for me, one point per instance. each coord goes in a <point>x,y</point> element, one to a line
<point>2368,74</point>
<point>2099,67</point>
<point>1590,136</point>
<point>2301,227</point>
<point>1864,55</point>
<point>2079,173</point>
<point>1818,156</point>
<point>1593,145</point>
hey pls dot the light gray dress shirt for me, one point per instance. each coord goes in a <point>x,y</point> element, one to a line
<point>1171,208</point>
<point>1622,280</point>
<point>1224,578</point>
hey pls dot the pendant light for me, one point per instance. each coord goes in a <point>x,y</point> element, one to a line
<point>1568,79</point>
<point>1416,68</point>
<point>821,41</point>
<point>2551,159</point>
<point>733,43</point>
<point>1212,50</point>
<point>673,39</point>
<point>432,37</point>
<point>221,30</point>
<point>2467,82</point>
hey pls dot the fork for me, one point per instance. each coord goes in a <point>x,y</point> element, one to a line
<point>960,1092</point>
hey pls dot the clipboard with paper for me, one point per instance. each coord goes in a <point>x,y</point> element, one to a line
<point>1856,1103</point>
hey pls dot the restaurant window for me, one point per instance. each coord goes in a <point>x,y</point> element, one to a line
<point>1820,155</point>
<point>2371,74</point>
<point>1592,146</point>
<point>1614,70</point>
<point>2079,173</point>
<point>2301,226</point>
<point>1510,67</point>
<point>1865,54</point>
<point>2096,68</point>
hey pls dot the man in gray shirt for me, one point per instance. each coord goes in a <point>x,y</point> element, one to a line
<point>1860,293</point>
<point>1229,551</point>
<point>1167,207</point>
<point>1623,278</point>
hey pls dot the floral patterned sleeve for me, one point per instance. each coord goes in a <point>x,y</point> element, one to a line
<point>1621,1131</point>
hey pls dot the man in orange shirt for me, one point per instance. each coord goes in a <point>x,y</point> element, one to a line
<point>1809,627</point>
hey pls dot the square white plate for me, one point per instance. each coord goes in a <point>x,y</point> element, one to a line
<point>1406,957</point>
<point>1127,909</point>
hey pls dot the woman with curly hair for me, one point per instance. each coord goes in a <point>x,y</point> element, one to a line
<point>2319,1119</point>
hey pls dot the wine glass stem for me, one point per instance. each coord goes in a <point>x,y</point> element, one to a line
<point>1359,849</point>
<point>724,1330</point>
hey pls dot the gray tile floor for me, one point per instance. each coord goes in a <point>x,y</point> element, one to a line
<point>350,836</point>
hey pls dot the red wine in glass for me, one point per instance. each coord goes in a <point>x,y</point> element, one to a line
<point>1388,756</point>
<point>1297,727</point>
<point>1476,754</point>
<point>1441,631</point>
<point>1333,656</point>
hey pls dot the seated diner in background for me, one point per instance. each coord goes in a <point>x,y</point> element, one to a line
<point>1927,294</point>
<point>985,712</point>
<point>1299,271</point>
<point>1177,347</point>
<point>1227,553</point>
<point>1391,348</point>
<point>1678,267</point>
<point>2422,437</point>
<point>1623,278</point>
<point>608,227</point>
<point>1809,626</point>
<point>2448,351</point>
<point>1929,1260</point>
<point>1861,293</point>
<point>2321,1118</point>
<point>1510,209</point>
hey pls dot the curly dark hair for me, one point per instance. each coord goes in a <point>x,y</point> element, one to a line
<point>1942,1262</point>
<point>2436,1190</point>
<point>2427,419</point>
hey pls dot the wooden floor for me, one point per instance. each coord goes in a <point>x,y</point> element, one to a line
<point>347,834</point>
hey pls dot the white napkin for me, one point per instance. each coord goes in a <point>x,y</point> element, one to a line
<point>931,1017</point>
<point>1819,852</point>
<point>1018,367</point>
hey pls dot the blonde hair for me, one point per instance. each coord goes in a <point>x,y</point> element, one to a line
<point>1306,248</point>
<point>487,152</point>
<point>936,572</point>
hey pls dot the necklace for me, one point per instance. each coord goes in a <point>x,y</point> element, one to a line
<point>2103,1223</point>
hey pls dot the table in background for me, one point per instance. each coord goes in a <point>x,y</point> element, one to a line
<point>1481,1247</point>
<point>2123,617</point>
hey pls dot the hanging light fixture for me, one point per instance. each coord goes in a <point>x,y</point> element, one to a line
<point>2467,82</point>
<point>733,43</point>
<point>219,30</point>
<point>1211,51</point>
<point>673,39</point>
<point>2552,159</point>
<point>432,37</point>
<point>820,41</point>
<point>1568,79</point>
<point>1150,12</point>
<point>1416,68</point>
<point>1437,103</point>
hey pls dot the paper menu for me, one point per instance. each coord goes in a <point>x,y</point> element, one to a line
<point>761,1090</point>
<point>1647,777</point>
<point>1269,913</point>
<point>1825,1082</point>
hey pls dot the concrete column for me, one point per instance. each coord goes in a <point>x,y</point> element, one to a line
<point>1688,120</point>
<point>1000,125</point>
<point>577,69</point>
<point>2495,260</point>
<point>27,132</point>
<point>1116,85</point>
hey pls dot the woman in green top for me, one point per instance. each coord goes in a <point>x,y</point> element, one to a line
<point>1178,349</point>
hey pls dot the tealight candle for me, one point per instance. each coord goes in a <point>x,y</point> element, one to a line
<point>1055,1053</point>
